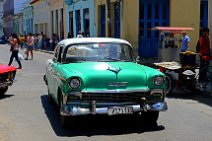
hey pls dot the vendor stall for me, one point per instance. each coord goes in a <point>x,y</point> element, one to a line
<point>170,42</point>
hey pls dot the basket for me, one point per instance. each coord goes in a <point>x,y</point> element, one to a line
<point>188,58</point>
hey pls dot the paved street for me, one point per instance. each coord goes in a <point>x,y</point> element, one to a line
<point>26,114</point>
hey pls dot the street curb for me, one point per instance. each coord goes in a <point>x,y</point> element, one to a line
<point>45,51</point>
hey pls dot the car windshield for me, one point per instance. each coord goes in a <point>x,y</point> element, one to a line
<point>101,52</point>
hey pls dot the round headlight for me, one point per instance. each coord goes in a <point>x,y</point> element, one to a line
<point>75,83</point>
<point>158,80</point>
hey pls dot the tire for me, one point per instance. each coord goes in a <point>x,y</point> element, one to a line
<point>50,99</point>
<point>170,84</point>
<point>150,117</point>
<point>3,91</point>
<point>63,119</point>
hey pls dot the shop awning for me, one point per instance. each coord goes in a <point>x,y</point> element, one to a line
<point>172,29</point>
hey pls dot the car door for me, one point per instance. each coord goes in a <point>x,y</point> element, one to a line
<point>55,71</point>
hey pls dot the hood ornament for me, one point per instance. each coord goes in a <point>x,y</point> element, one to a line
<point>115,70</point>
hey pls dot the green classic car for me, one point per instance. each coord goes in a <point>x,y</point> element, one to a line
<point>90,76</point>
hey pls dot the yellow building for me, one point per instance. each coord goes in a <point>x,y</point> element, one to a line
<point>138,17</point>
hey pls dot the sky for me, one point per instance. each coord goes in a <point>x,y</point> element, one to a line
<point>18,4</point>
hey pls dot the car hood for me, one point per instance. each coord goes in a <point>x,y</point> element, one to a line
<point>5,68</point>
<point>111,75</point>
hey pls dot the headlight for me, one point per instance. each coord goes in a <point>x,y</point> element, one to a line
<point>75,83</point>
<point>158,80</point>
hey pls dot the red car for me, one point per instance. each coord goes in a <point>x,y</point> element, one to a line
<point>7,75</point>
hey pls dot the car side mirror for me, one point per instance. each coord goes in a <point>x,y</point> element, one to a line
<point>138,59</point>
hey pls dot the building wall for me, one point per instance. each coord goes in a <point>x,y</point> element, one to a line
<point>53,6</point>
<point>129,22</point>
<point>41,18</point>
<point>1,16</point>
<point>81,5</point>
<point>129,16</point>
<point>209,18</point>
<point>8,8</point>
<point>18,24</point>
<point>28,20</point>
<point>186,13</point>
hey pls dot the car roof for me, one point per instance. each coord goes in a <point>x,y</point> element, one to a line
<point>70,41</point>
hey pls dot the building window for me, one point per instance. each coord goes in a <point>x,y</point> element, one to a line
<point>52,20</point>
<point>71,22</point>
<point>78,21</point>
<point>61,24</point>
<point>86,22</point>
<point>102,21</point>
<point>203,14</point>
<point>56,21</point>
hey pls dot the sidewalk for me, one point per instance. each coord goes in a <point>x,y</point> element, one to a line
<point>45,51</point>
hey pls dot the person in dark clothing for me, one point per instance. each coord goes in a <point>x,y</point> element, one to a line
<point>69,35</point>
<point>14,49</point>
<point>203,49</point>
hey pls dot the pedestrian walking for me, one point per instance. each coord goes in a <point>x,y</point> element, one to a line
<point>30,46</point>
<point>14,42</point>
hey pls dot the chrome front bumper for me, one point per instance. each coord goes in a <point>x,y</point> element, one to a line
<point>67,110</point>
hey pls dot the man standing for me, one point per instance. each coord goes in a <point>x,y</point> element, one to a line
<point>203,49</point>
<point>185,42</point>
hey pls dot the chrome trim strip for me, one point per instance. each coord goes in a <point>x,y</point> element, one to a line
<point>117,91</point>
<point>159,91</point>
<point>117,84</point>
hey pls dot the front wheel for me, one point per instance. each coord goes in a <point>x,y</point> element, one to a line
<point>63,119</point>
<point>3,90</point>
<point>169,84</point>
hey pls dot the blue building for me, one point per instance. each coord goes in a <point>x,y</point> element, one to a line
<point>80,16</point>
<point>27,11</point>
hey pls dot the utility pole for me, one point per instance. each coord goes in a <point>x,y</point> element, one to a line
<point>109,18</point>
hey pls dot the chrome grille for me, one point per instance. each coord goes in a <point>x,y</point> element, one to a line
<point>113,97</point>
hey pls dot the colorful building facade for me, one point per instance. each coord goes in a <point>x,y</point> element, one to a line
<point>57,20</point>
<point>138,17</point>
<point>1,16</point>
<point>80,16</point>
<point>8,12</point>
<point>27,11</point>
<point>41,17</point>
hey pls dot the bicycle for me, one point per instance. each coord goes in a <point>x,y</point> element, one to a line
<point>205,86</point>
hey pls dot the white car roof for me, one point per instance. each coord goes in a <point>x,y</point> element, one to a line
<point>70,41</point>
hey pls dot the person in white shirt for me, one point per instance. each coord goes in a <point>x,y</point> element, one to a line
<point>80,35</point>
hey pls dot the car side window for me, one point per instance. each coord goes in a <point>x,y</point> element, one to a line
<point>58,53</point>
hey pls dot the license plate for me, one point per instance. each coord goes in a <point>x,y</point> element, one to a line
<point>120,110</point>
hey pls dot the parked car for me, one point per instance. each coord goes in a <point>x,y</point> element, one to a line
<point>3,40</point>
<point>90,76</point>
<point>7,75</point>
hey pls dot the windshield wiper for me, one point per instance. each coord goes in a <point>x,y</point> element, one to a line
<point>114,59</point>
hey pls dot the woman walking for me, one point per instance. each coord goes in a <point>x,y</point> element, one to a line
<point>30,46</point>
<point>15,49</point>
